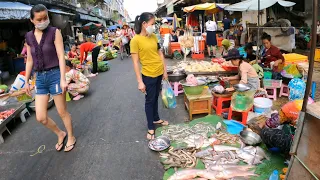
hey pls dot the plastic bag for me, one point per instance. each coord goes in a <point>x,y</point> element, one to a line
<point>125,40</point>
<point>167,94</point>
<point>242,101</point>
<point>293,70</point>
<point>297,89</point>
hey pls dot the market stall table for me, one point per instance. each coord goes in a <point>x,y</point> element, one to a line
<point>18,107</point>
<point>198,104</point>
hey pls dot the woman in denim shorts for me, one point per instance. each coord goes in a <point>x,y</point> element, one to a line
<point>45,55</point>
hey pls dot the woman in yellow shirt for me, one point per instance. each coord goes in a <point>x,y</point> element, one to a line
<point>146,51</point>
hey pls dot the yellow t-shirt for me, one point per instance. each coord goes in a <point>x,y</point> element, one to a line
<point>147,49</point>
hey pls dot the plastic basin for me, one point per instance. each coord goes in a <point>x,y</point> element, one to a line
<point>193,90</point>
<point>262,105</point>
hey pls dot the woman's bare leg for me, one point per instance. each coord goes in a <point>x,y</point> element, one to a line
<point>61,105</point>
<point>209,50</point>
<point>42,117</point>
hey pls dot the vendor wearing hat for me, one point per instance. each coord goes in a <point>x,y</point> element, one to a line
<point>126,33</point>
<point>247,74</point>
<point>226,46</point>
<point>165,28</point>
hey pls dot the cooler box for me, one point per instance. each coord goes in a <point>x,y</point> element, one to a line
<point>294,58</point>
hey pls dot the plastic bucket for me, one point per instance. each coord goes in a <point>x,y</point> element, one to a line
<point>262,105</point>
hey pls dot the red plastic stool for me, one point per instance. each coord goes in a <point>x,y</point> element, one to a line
<point>218,101</point>
<point>244,115</point>
<point>284,90</point>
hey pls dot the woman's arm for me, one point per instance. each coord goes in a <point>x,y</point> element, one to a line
<point>165,74</point>
<point>29,63</point>
<point>136,67</point>
<point>62,63</point>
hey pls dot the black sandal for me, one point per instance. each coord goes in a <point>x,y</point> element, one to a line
<point>162,123</point>
<point>61,144</point>
<point>73,145</point>
<point>152,136</point>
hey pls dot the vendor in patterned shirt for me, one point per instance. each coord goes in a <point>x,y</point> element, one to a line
<point>78,83</point>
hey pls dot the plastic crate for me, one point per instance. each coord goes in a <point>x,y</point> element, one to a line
<point>317,55</point>
<point>230,68</point>
<point>272,83</point>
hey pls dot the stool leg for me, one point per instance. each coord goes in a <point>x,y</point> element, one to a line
<point>275,94</point>
<point>176,89</point>
<point>219,107</point>
<point>281,91</point>
<point>8,130</point>
<point>1,139</point>
<point>244,118</point>
<point>230,113</point>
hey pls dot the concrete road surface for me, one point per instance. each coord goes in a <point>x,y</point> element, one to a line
<point>110,127</point>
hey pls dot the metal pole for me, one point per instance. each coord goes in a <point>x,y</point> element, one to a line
<point>312,54</point>
<point>258,35</point>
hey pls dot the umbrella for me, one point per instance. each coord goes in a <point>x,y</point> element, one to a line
<point>212,7</point>
<point>253,5</point>
<point>113,27</point>
<point>91,25</point>
<point>175,22</point>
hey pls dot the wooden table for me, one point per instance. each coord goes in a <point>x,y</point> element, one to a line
<point>198,104</point>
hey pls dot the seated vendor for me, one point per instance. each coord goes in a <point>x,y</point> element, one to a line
<point>226,46</point>
<point>73,53</point>
<point>78,83</point>
<point>250,55</point>
<point>247,74</point>
<point>272,54</point>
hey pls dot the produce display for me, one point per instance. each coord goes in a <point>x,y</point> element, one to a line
<point>203,66</point>
<point>187,41</point>
<point>5,114</point>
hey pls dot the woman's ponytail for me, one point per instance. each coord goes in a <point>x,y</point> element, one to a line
<point>137,25</point>
<point>144,17</point>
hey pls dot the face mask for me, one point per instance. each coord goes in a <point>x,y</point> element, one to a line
<point>43,26</point>
<point>150,29</point>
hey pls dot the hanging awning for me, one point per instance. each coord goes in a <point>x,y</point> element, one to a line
<point>92,18</point>
<point>252,5</point>
<point>14,11</point>
<point>60,12</point>
<point>212,7</point>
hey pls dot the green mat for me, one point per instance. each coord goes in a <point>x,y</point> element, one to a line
<point>264,170</point>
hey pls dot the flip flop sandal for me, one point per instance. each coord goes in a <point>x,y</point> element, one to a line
<point>61,144</point>
<point>72,145</point>
<point>162,123</point>
<point>152,136</point>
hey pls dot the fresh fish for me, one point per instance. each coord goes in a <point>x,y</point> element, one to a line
<point>208,174</point>
<point>219,167</point>
<point>185,174</point>
<point>228,174</point>
<point>204,153</point>
<point>261,153</point>
<point>224,148</point>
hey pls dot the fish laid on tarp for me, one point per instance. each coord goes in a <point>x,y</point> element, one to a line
<point>225,174</point>
<point>218,167</point>
<point>224,148</point>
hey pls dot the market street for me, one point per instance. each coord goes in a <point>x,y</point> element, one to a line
<point>110,127</point>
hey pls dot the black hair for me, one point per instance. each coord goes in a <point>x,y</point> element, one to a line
<point>181,33</point>
<point>118,27</point>
<point>248,46</point>
<point>209,18</point>
<point>144,17</point>
<point>266,36</point>
<point>173,31</point>
<point>37,8</point>
<point>69,64</point>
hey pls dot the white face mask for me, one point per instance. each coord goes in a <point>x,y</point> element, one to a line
<point>42,26</point>
<point>150,29</point>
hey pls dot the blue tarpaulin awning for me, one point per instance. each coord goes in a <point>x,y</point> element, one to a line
<point>60,12</point>
<point>113,27</point>
<point>14,11</point>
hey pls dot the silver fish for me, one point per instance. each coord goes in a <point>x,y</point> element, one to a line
<point>219,167</point>
<point>224,148</point>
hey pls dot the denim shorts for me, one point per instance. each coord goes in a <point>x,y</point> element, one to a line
<point>48,82</point>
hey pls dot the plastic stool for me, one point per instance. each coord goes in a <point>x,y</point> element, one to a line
<point>217,104</point>
<point>176,88</point>
<point>274,93</point>
<point>284,90</point>
<point>23,115</point>
<point>244,115</point>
